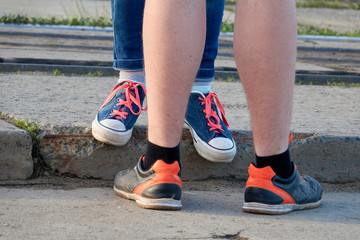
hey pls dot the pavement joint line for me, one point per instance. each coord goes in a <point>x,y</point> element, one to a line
<point>316,78</point>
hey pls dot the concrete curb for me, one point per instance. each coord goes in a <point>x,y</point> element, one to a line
<point>325,123</point>
<point>333,159</point>
<point>15,152</point>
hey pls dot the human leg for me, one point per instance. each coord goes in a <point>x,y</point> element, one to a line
<point>114,122</point>
<point>127,17</point>
<point>215,144</point>
<point>127,23</point>
<point>206,123</point>
<point>265,52</point>
<point>174,36</point>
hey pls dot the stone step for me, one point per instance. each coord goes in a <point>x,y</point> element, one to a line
<point>334,159</point>
<point>326,126</point>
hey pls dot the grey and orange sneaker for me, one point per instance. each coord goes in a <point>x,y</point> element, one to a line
<point>157,188</point>
<point>268,193</point>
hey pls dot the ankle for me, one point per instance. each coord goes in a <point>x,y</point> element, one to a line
<point>155,152</point>
<point>203,87</point>
<point>280,163</point>
<point>132,76</point>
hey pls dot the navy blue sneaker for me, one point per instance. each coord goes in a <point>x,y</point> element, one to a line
<point>212,139</point>
<point>114,122</point>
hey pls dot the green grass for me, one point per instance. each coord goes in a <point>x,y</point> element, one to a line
<point>229,79</point>
<point>226,26</point>
<point>71,21</point>
<point>34,132</point>
<point>331,83</point>
<point>98,73</point>
<point>305,29</point>
<point>341,84</point>
<point>337,4</point>
<point>56,72</point>
<point>230,2</point>
<point>31,128</point>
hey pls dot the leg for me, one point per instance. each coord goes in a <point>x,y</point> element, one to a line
<point>265,52</point>
<point>174,37</point>
<point>214,15</point>
<point>212,139</point>
<point>127,16</point>
<point>127,21</point>
<point>114,122</point>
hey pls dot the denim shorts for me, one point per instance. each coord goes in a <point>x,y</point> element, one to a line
<point>127,16</point>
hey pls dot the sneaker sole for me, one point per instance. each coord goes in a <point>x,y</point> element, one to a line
<point>109,136</point>
<point>148,203</point>
<point>261,208</point>
<point>208,152</point>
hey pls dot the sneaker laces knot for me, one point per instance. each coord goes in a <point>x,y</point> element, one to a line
<point>213,119</point>
<point>131,92</point>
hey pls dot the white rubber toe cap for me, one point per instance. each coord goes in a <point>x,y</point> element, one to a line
<point>113,124</point>
<point>221,143</point>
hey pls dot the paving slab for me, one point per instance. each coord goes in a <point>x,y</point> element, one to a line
<point>97,213</point>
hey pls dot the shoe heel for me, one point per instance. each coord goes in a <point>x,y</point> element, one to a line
<point>261,195</point>
<point>163,191</point>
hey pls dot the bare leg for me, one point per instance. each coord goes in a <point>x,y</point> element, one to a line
<point>174,38</point>
<point>265,52</point>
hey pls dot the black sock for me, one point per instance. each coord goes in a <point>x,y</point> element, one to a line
<point>280,163</point>
<point>155,152</point>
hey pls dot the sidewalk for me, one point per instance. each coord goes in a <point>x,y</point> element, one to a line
<point>326,120</point>
<point>213,213</point>
<point>326,145</point>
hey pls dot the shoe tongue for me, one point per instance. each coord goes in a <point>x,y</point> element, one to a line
<point>197,93</point>
<point>219,133</point>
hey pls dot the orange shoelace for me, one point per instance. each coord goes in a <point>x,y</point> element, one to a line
<point>211,115</point>
<point>130,98</point>
<point>290,137</point>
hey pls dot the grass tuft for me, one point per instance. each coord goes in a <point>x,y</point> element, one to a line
<point>31,128</point>
<point>226,26</point>
<point>336,4</point>
<point>305,29</point>
<point>71,21</point>
<point>56,72</point>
